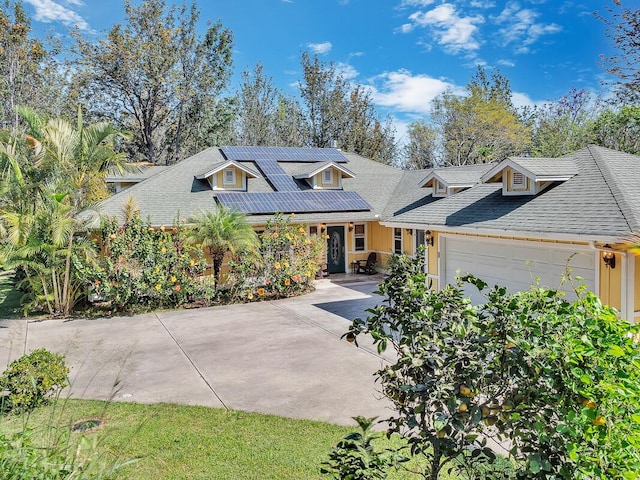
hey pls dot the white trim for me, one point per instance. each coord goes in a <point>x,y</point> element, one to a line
<point>393,241</point>
<point>631,285</point>
<point>510,233</point>
<point>232,180</point>
<point>209,173</point>
<point>364,235</point>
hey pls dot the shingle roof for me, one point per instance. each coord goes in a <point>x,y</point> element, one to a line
<point>462,175</point>
<point>603,198</point>
<point>136,176</point>
<point>176,192</point>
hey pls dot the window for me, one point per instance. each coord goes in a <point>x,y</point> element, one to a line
<point>359,236</point>
<point>229,176</point>
<point>327,176</point>
<point>313,230</point>
<point>419,238</point>
<point>517,179</point>
<point>397,240</point>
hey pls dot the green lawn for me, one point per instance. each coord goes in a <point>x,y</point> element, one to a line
<point>9,297</point>
<point>189,442</point>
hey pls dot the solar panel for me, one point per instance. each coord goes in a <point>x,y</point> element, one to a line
<point>294,202</point>
<point>279,179</point>
<point>284,154</point>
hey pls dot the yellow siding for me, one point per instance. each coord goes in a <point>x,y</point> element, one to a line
<point>432,255</point>
<point>334,184</point>
<point>611,283</point>
<point>407,242</point>
<point>636,295</point>
<point>220,179</point>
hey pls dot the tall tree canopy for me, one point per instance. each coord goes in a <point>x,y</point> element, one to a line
<point>623,27</point>
<point>419,151</point>
<point>482,125</point>
<point>28,71</point>
<point>337,110</point>
<point>156,76</point>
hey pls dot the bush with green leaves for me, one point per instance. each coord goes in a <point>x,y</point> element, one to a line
<point>147,267</point>
<point>30,379</point>
<point>286,264</point>
<point>356,457</point>
<point>556,381</point>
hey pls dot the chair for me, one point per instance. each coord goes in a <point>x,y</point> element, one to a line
<point>368,266</point>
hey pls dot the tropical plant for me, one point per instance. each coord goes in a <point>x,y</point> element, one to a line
<point>286,263</point>
<point>556,381</point>
<point>221,232</point>
<point>145,267</point>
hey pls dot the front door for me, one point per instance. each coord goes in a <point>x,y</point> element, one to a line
<point>335,249</point>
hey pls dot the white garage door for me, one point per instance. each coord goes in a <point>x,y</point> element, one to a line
<point>517,265</point>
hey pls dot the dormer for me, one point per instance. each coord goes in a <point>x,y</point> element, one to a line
<point>229,175</point>
<point>326,176</point>
<point>529,176</point>
<point>447,181</point>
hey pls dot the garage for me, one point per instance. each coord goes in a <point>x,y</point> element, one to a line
<point>516,264</point>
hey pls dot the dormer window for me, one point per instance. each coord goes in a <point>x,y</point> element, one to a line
<point>529,176</point>
<point>229,176</point>
<point>327,176</point>
<point>518,179</point>
<point>440,190</point>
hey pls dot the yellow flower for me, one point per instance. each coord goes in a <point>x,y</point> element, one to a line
<point>163,250</point>
<point>276,265</point>
<point>292,215</point>
<point>250,296</point>
<point>261,291</point>
<point>173,278</point>
<point>288,236</point>
<point>157,269</point>
<point>286,264</point>
<point>158,287</point>
<point>287,282</point>
<point>192,262</point>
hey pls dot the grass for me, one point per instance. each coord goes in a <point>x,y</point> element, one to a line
<point>9,297</point>
<point>191,442</point>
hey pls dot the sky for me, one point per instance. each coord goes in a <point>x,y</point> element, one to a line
<point>406,51</point>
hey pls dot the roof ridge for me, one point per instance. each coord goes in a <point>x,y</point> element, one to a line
<point>607,176</point>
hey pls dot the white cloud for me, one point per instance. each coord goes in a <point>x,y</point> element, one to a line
<point>346,71</point>
<point>404,92</point>
<point>506,63</point>
<point>454,32</point>
<point>523,100</point>
<point>521,27</point>
<point>320,48</point>
<point>482,3</point>
<point>416,3</point>
<point>50,11</point>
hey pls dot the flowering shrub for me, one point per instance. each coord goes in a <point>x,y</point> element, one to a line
<point>287,263</point>
<point>146,266</point>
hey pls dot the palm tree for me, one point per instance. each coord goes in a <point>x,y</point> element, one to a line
<point>221,232</point>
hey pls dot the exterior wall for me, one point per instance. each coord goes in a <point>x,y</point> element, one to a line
<point>336,180</point>
<point>220,179</point>
<point>611,283</point>
<point>636,283</point>
<point>380,240</point>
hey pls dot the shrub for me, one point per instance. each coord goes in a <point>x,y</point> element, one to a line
<point>286,264</point>
<point>147,267</point>
<point>355,456</point>
<point>31,378</point>
<point>559,381</point>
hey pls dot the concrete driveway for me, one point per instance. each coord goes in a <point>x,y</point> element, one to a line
<point>283,357</point>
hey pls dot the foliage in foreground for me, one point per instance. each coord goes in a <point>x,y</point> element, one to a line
<point>30,379</point>
<point>556,381</point>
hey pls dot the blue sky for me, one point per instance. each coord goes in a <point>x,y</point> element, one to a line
<point>406,51</point>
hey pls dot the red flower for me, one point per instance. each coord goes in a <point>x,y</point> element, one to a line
<point>177,288</point>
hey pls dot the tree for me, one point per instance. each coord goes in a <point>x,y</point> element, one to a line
<point>565,125</point>
<point>558,381</point>
<point>256,109</point>
<point>618,129</point>
<point>156,76</point>
<point>419,151</point>
<point>27,70</point>
<point>337,110</point>
<point>623,27</point>
<point>483,125</point>
<point>222,232</point>
<point>51,176</point>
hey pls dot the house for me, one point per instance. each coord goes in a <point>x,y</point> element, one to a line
<point>338,194</point>
<point>555,221</point>
<point>528,220</point>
